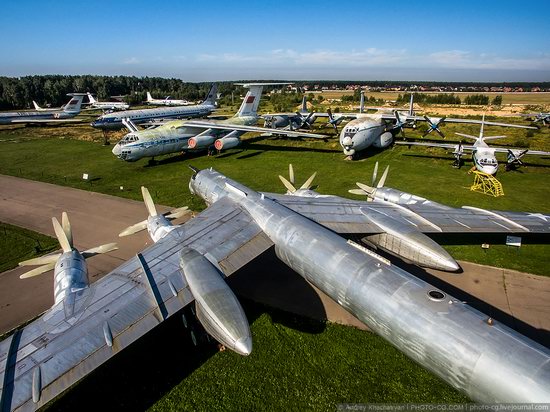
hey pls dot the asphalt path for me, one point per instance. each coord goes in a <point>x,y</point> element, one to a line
<point>520,300</point>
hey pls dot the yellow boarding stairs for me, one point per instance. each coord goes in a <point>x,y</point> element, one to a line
<point>486,184</point>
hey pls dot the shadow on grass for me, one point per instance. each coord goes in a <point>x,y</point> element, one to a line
<point>140,375</point>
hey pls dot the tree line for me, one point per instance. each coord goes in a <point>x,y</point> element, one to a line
<point>450,98</point>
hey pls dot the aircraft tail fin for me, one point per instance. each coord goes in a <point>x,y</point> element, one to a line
<point>74,104</point>
<point>36,106</point>
<point>149,97</point>
<point>303,110</point>
<point>362,104</point>
<point>212,95</point>
<point>91,98</point>
<point>411,105</point>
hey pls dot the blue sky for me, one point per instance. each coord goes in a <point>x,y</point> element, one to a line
<point>223,40</point>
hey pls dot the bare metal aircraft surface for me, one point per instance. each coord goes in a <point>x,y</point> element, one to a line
<point>483,155</point>
<point>115,120</point>
<point>40,115</point>
<point>486,360</point>
<point>198,135</point>
<point>379,129</point>
<point>166,101</point>
<point>106,105</point>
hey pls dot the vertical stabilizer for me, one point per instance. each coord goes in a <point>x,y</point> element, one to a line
<point>482,124</point>
<point>362,104</point>
<point>303,110</point>
<point>74,104</point>
<point>411,105</point>
<point>91,98</point>
<point>212,95</point>
<point>249,106</point>
<point>149,97</point>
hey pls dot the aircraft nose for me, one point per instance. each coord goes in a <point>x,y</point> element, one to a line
<point>347,141</point>
<point>244,346</point>
<point>117,150</point>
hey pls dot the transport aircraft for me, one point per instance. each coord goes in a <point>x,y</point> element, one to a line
<point>188,264</point>
<point>138,116</point>
<point>58,115</point>
<point>198,135</point>
<point>483,155</point>
<point>106,105</point>
<point>166,101</point>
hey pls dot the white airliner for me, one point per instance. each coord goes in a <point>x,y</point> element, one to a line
<point>483,155</point>
<point>107,105</point>
<point>166,102</point>
<point>195,135</point>
<point>40,115</point>
<point>114,120</point>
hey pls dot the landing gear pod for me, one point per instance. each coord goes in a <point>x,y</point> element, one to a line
<point>217,307</point>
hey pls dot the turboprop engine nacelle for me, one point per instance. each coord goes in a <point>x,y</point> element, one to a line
<point>407,243</point>
<point>217,307</point>
<point>383,141</point>
<point>199,142</point>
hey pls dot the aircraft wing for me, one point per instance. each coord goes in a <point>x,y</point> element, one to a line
<point>527,151</point>
<point>53,352</point>
<point>428,144</point>
<point>228,126</point>
<point>68,120</point>
<point>347,216</point>
<point>463,121</point>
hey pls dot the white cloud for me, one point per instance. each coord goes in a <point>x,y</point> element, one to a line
<point>131,60</point>
<point>374,57</point>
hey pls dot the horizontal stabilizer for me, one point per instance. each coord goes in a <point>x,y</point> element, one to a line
<point>469,136</point>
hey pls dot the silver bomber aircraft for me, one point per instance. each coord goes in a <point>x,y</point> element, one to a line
<point>63,114</point>
<point>184,135</point>
<point>486,360</point>
<point>138,116</point>
<point>483,155</point>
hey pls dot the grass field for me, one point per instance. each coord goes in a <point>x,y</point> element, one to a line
<point>296,364</point>
<point>18,244</point>
<point>423,172</point>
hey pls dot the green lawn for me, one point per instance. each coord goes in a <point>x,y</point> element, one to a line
<point>296,364</point>
<point>425,172</point>
<point>18,244</point>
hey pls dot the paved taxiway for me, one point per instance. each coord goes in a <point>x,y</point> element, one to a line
<point>520,300</point>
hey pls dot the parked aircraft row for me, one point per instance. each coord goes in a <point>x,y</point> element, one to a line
<point>198,135</point>
<point>90,323</point>
<point>483,155</point>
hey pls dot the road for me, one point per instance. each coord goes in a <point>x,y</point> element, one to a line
<point>518,299</point>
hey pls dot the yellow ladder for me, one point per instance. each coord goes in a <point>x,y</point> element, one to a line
<point>486,184</point>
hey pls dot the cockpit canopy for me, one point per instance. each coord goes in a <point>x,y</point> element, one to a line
<point>128,139</point>
<point>488,161</point>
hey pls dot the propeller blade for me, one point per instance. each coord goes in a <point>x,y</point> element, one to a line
<point>99,250</point>
<point>67,227</point>
<point>179,212</point>
<point>38,271</point>
<point>383,178</point>
<point>308,182</point>
<point>291,173</point>
<point>367,189</point>
<point>287,184</point>
<point>148,201</point>
<point>138,227</point>
<point>428,132</point>
<point>61,236</point>
<point>439,132</point>
<point>41,260</point>
<point>359,192</point>
<point>374,173</point>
